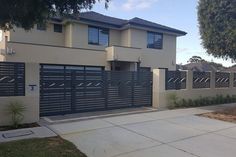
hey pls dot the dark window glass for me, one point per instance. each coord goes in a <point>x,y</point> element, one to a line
<point>41,27</point>
<point>58,28</point>
<point>154,40</point>
<point>103,37</point>
<point>93,68</point>
<point>145,69</point>
<point>98,36</point>
<point>93,35</point>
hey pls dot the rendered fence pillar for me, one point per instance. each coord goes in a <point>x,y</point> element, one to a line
<point>189,81</point>
<point>212,83</point>
<point>32,90</point>
<point>158,88</point>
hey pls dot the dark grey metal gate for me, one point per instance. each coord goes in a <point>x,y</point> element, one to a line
<point>69,89</point>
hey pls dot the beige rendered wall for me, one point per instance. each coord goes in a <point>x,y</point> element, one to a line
<point>75,35</point>
<point>79,37</point>
<point>55,55</point>
<point>125,38</point>
<point>155,58</point>
<point>48,37</point>
<point>127,54</point>
<point>2,40</point>
<point>30,100</point>
<point>5,36</point>
<point>160,95</point>
<point>68,34</point>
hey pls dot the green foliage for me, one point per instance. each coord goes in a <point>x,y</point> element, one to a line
<point>201,101</point>
<point>184,103</point>
<point>16,109</point>
<point>217,24</point>
<point>172,100</point>
<point>26,13</point>
<point>196,59</point>
<point>190,102</point>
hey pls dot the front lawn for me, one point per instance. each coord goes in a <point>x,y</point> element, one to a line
<point>228,115</point>
<point>45,147</point>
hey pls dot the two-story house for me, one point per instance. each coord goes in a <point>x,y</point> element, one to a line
<point>94,39</point>
<point>92,62</point>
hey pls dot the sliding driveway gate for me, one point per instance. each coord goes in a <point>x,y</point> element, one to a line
<point>73,89</point>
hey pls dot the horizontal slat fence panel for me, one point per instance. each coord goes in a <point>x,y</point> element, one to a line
<point>222,79</point>
<point>175,80</point>
<point>12,79</point>
<point>201,79</point>
<point>72,90</point>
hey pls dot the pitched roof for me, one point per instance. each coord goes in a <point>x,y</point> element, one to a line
<point>201,66</point>
<point>91,16</point>
<point>145,23</point>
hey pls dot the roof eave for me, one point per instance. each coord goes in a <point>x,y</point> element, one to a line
<point>177,33</point>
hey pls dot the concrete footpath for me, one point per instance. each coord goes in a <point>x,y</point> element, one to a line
<point>175,133</point>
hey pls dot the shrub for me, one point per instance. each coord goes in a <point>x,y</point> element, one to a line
<point>201,101</point>
<point>172,100</point>
<point>16,109</point>
<point>196,102</point>
<point>190,103</point>
<point>233,98</point>
<point>228,99</point>
<point>182,103</point>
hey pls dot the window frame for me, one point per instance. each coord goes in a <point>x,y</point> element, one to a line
<point>56,31</point>
<point>155,33</point>
<point>98,30</point>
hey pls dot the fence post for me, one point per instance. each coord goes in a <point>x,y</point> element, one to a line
<point>32,94</point>
<point>158,87</point>
<point>189,81</point>
<point>213,80</point>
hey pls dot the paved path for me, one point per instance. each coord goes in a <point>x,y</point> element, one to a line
<point>20,134</point>
<point>176,133</point>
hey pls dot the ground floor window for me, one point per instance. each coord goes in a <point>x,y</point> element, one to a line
<point>144,69</point>
<point>74,67</point>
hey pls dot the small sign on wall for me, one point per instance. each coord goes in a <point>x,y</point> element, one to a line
<point>32,87</point>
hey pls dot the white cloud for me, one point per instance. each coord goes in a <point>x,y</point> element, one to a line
<point>180,50</point>
<point>137,4</point>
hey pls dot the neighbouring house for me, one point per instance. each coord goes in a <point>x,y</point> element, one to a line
<point>231,69</point>
<point>201,66</point>
<point>49,54</point>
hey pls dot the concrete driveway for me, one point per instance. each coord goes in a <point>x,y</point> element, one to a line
<point>176,133</point>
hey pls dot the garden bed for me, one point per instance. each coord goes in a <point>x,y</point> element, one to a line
<point>228,115</point>
<point>21,126</point>
<point>45,147</point>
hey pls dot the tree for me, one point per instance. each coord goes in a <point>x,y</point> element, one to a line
<point>217,24</point>
<point>26,13</point>
<point>196,59</point>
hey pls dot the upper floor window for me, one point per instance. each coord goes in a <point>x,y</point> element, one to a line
<point>154,40</point>
<point>58,28</point>
<point>98,36</point>
<point>41,26</point>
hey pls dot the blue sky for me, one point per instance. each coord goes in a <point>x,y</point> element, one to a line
<point>180,14</point>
